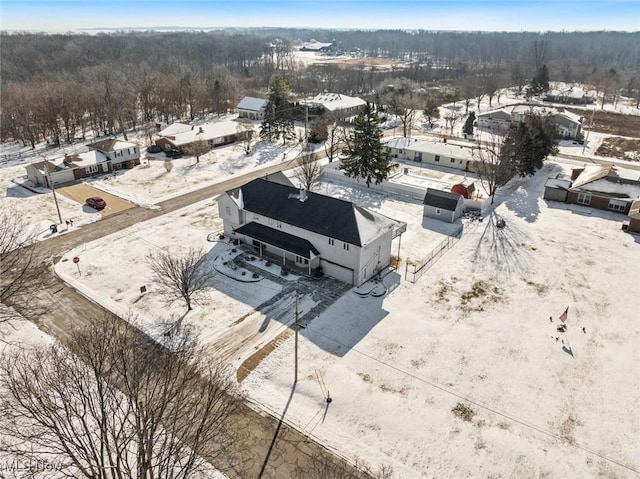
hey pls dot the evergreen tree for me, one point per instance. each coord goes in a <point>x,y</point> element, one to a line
<point>365,157</point>
<point>527,145</point>
<point>540,82</point>
<point>468,125</point>
<point>278,118</point>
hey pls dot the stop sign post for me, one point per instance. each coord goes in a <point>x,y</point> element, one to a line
<point>76,260</point>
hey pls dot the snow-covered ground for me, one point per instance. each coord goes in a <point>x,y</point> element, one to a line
<point>471,335</point>
<point>473,332</point>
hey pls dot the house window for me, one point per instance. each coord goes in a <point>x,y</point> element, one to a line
<point>92,169</point>
<point>418,156</point>
<point>301,260</point>
<point>346,246</point>
<point>331,241</point>
<point>453,160</point>
<point>227,210</point>
<point>279,224</point>
<point>128,151</point>
<point>438,211</point>
<point>617,205</point>
<point>437,157</point>
<point>584,198</point>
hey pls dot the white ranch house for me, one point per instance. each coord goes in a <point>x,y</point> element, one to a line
<point>307,231</point>
<point>431,152</point>
<point>569,124</point>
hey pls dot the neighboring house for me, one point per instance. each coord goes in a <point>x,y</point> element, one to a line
<point>178,137</point>
<point>498,120</point>
<point>574,96</point>
<point>634,217</point>
<point>119,153</point>
<point>339,105</point>
<point>252,108</point>
<point>315,46</point>
<point>443,205</point>
<point>68,169</point>
<point>308,231</point>
<point>431,152</point>
<point>556,189</point>
<point>609,187</point>
<point>569,125</point>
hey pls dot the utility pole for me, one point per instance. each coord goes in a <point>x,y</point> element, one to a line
<point>296,327</point>
<point>53,189</point>
<point>588,131</point>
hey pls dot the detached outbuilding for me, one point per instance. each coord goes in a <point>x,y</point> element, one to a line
<point>556,189</point>
<point>443,205</point>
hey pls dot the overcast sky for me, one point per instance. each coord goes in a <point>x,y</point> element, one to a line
<point>485,15</point>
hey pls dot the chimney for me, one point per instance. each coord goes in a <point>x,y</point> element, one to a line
<point>303,195</point>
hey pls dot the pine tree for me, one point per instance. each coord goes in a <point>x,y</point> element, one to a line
<point>365,157</point>
<point>278,118</point>
<point>529,143</point>
<point>468,125</point>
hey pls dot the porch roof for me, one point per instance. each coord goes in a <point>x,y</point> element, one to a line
<point>279,239</point>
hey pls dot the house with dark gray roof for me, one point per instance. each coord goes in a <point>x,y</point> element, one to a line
<point>442,205</point>
<point>308,231</point>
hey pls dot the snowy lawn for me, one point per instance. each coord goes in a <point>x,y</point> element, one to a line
<point>460,374</point>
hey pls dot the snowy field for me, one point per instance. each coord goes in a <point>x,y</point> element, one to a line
<point>458,375</point>
<point>473,334</point>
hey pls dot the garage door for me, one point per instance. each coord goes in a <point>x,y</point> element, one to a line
<point>337,271</point>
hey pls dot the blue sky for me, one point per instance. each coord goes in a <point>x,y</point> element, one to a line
<point>485,15</point>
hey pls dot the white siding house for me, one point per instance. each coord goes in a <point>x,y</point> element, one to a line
<point>252,108</point>
<point>307,231</point>
<point>118,152</point>
<point>434,153</point>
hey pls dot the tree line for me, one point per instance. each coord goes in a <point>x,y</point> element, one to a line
<point>59,88</point>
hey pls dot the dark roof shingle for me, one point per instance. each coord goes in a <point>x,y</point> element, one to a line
<point>441,199</point>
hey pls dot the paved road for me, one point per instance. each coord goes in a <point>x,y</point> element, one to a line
<point>267,447</point>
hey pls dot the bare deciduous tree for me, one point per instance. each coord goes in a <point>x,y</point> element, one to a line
<point>118,406</point>
<point>245,134</point>
<point>21,266</point>
<point>493,168</point>
<point>180,276</point>
<point>335,136</point>
<point>308,171</point>
<point>451,119</point>
<point>198,148</point>
<point>326,467</point>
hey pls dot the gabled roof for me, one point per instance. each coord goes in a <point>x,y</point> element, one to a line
<point>174,129</point>
<point>610,180</point>
<point>334,101</point>
<point>330,217</point>
<point>252,104</point>
<point>111,144</point>
<point>441,199</point>
<point>206,132</point>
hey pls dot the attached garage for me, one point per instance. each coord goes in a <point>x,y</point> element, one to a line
<point>556,189</point>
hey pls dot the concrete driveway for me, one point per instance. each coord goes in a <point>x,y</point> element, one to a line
<point>82,191</point>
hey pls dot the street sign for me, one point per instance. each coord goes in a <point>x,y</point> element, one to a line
<point>76,259</point>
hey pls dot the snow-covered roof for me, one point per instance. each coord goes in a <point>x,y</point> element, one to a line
<point>111,144</point>
<point>208,131</point>
<point>334,101</point>
<point>80,160</point>
<point>557,183</point>
<point>435,148</point>
<point>609,180</point>
<point>174,129</point>
<point>314,45</point>
<point>251,103</point>
<point>92,157</point>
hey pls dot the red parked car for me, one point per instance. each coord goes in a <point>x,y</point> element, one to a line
<point>96,203</point>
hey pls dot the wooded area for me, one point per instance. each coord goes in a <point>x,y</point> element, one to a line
<point>62,87</point>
